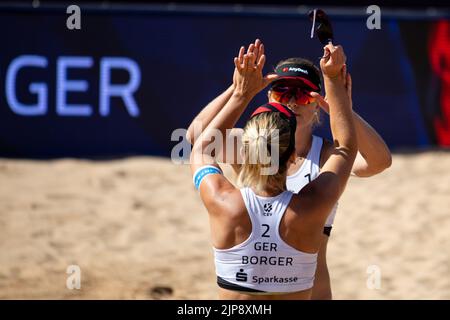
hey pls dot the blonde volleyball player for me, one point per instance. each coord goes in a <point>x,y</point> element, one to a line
<point>266,239</point>
<point>298,85</point>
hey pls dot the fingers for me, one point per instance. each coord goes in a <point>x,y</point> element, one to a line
<point>349,85</point>
<point>241,61</point>
<point>321,101</point>
<point>344,74</point>
<point>250,49</point>
<point>256,50</point>
<point>241,55</point>
<point>252,55</point>
<point>336,53</point>
<point>261,62</point>
<point>328,48</point>
<point>326,52</point>
<point>270,78</point>
<point>333,62</point>
<point>246,61</point>
<point>254,58</point>
<point>261,49</point>
<point>326,55</point>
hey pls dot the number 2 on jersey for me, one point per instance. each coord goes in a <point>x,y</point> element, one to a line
<point>265,235</point>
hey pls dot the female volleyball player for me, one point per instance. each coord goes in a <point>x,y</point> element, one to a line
<point>265,238</point>
<point>298,86</point>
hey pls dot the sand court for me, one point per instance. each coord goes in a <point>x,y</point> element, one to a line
<point>137,230</point>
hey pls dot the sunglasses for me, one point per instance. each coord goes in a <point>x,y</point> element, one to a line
<point>283,94</point>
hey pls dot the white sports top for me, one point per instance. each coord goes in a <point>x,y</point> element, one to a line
<point>264,263</point>
<point>308,171</point>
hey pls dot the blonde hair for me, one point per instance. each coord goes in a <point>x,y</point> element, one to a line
<point>257,143</point>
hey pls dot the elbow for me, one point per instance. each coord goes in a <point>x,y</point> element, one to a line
<point>388,161</point>
<point>375,168</point>
<point>384,164</point>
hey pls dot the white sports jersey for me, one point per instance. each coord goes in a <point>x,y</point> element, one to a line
<point>264,262</point>
<point>308,171</point>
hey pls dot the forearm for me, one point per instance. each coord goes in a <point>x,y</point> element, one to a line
<point>371,147</point>
<point>202,120</point>
<point>341,116</point>
<point>225,119</point>
<point>337,168</point>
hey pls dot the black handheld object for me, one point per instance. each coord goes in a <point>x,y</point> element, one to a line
<point>321,26</point>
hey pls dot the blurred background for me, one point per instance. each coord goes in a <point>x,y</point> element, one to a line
<point>86,123</point>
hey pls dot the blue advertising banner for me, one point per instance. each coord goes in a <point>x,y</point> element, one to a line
<point>126,80</point>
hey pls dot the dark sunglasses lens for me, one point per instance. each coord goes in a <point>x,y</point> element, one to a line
<point>304,98</point>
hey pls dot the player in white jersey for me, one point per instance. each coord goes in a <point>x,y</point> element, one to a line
<point>266,239</point>
<point>290,88</point>
<point>308,171</point>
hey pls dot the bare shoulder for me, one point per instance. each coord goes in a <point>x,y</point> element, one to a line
<point>220,196</point>
<point>229,221</point>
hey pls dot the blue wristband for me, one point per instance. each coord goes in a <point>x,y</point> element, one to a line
<point>203,172</point>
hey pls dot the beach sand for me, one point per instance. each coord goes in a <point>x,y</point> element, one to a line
<point>138,230</point>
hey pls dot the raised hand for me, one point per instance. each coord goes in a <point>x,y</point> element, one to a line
<point>248,79</point>
<point>257,48</point>
<point>333,61</point>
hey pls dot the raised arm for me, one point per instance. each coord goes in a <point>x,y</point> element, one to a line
<point>326,189</point>
<point>248,82</point>
<point>373,154</point>
<point>202,120</point>
<point>208,113</point>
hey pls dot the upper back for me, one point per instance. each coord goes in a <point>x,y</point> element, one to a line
<point>265,254</point>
